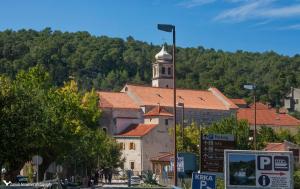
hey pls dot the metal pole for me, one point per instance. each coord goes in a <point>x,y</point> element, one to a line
<point>37,170</point>
<point>254,136</point>
<point>174,104</point>
<point>182,129</point>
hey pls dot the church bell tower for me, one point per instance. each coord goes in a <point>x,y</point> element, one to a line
<point>162,70</point>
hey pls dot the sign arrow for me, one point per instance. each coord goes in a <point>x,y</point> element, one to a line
<point>280,173</point>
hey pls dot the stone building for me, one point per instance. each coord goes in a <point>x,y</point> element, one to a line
<point>141,142</point>
<point>292,100</point>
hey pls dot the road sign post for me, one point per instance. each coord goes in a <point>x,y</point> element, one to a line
<point>203,181</point>
<point>37,160</point>
<point>212,152</point>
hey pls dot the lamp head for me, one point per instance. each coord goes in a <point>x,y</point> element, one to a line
<point>166,27</point>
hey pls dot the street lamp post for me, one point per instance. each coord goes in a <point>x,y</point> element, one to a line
<point>171,28</point>
<point>182,124</point>
<point>253,88</point>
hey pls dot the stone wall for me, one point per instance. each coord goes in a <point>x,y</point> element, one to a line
<point>157,141</point>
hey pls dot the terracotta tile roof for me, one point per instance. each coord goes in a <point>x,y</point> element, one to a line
<point>238,101</point>
<point>275,147</point>
<point>259,106</point>
<point>137,130</point>
<point>165,157</point>
<point>266,117</point>
<point>200,99</point>
<point>281,146</point>
<point>158,111</point>
<point>116,100</point>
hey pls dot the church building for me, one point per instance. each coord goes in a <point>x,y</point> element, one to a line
<point>129,106</point>
<point>139,117</point>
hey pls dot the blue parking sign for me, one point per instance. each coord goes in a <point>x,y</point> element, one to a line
<point>203,181</point>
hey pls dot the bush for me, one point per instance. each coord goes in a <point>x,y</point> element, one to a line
<point>297,179</point>
<point>149,178</point>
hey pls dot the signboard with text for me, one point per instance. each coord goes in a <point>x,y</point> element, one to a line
<point>212,151</point>
<point>258,169</point>
<point>180,164</point>
<point>203,181</point>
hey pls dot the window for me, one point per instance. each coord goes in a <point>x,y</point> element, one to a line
<point>104,130</point>
<point>122,145</point>
<point>166,122</point>
<point>169,71</point>
<point>131,146</point>
<point>132,165</point>
<point>296,101</point>
<point>163,70</point>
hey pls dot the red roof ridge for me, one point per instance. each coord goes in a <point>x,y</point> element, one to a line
<point>184,89</point>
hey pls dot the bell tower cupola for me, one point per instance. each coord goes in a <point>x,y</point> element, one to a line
<point>162,70</point>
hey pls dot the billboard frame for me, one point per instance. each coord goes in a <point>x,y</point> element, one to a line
<point>255,153</point>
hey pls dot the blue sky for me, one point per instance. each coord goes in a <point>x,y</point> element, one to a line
<point>230,25</point>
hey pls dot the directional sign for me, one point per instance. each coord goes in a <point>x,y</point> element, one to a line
<point>203,181</point>
<point>212,151</point>
<point>258,169</point>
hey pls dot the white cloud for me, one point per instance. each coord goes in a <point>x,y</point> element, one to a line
<point>258,9</point>
<point>288,11</point>
<point>248,10</point>
<point>291,27</point>
<point>195,3</point>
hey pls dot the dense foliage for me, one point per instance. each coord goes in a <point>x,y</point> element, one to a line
<point>58,123</point>
<point>239,128</point>
<point>108,63</point>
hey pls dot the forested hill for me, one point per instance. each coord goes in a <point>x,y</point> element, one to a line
<point>108,63</point>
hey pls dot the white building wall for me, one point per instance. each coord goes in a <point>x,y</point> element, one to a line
<point>162,82</point>
<point>132,155</point>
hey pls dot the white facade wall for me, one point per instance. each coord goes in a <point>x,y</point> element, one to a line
<point>132,155</point>
<point>162,82</point>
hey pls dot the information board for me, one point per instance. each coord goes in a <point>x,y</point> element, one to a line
<point>203,181</point>
<point>212,151</point>
<point>180,164</point>
<point>258,169</point>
